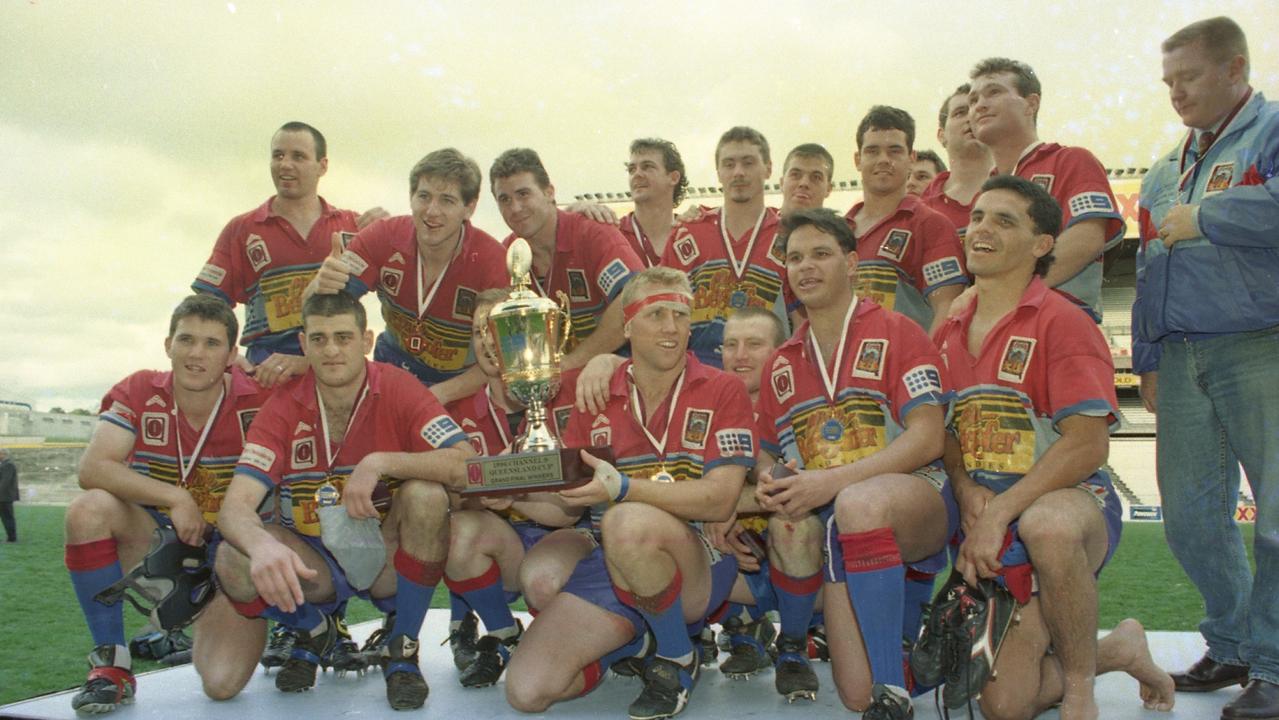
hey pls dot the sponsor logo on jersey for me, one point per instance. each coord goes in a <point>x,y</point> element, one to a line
<point>1221,177</point>
<point>939,271</point>
<point>578,289</point>
<point>463,303</point>
<point>561,417</point>
<point>257,456</point>
<point>735,442</point>
<point>390,279</point>
<point>870,359</point>
<point>612,274</point>
<point>246,419</point>
<point>478,442</point>
<point>1090,202</point>
<point>302,427</point>
<point>601,437</point>
<point>686,249</point>
<point>396,257</point>
<point>439,429</point>
<point>1043,180</point>
<point>259,256</point>
<point>155,400</point>
<point>696,424</point>
<point>211,274</point>
<point>1016,359</point>
<point>783,382</point>
<point>155,428</point>
<point>894,244</point>
<point>922,380</point>
<point>304,453</point>
<point>355,264</point>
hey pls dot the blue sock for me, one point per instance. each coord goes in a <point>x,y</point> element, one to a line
<point>457,608</point>
<point>664,614</point>
<point>485,594</point>
<point>796,597</point>
<point>415,582</point>
<point>94,567</point>
<point>875,579</point>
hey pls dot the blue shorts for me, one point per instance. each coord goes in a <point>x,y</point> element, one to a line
<point>590,581</point>
<point>935,563</point>
<point>342,590</point>
<point>530,533</point>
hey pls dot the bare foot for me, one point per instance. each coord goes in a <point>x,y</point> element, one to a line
<point>1125,648</point>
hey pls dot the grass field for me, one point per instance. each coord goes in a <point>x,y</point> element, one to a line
<point>43,641</point>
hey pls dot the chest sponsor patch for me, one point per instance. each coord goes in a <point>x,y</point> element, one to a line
<point>257,456</point>
<point>783,382</point>
<point>304,453</point>
<point>686,250</point>
<point>922,380</point>
<point>439,429</point>
<point>1086,203</point>
<point>601,436</point>
<point>1043,180</point>
<point>246,419</point>
<point>870,359</point>
<point>463,303</point>
<point>611,275</point>
<point>1221,177</point>
<point>155,428</point>
<point>894,244</point>
<point>390,279</point>
<point>1016,359</point>
<point>577,286</point>
<point>478,442</point>
<point>255,249</point>
<point>696,424</point>
<point>211,274</point>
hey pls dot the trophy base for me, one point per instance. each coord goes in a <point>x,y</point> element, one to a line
<point>519,473</point>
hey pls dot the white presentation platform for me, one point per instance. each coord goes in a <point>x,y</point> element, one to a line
<point>175,694</point>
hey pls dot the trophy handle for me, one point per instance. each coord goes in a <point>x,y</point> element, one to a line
<point>566,321</point>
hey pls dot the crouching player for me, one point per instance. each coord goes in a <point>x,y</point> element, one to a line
<point>855,397</point>
<point>680,432</point>
<point>490,536</point>
<point>1035,401</point>
<point>162,457</point>
<point>328,437</point>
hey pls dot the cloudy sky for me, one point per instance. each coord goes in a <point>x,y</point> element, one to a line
<point>130,132</point>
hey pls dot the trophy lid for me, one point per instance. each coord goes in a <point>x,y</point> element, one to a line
<point>519,261</point>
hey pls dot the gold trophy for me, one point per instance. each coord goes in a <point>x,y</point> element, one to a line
<point>530,333</point>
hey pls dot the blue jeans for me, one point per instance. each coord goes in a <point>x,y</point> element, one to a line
<point>1218,406</point>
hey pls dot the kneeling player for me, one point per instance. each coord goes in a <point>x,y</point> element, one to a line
<point>1034,405</point>
<point>162,457</point>
<point>326,437</point>
<point>856,398</point>
<point>487,546</point>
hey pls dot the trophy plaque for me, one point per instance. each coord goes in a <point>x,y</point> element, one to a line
<point>529,335</point>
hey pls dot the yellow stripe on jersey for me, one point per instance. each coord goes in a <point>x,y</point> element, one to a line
<point>833,436</point>
<point>282,298</point>
<point>995,433</point>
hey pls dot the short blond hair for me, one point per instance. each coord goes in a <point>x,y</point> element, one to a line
<point>657,276</point>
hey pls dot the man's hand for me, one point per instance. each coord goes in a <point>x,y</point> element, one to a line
<point>979,554</point>
<point>357,494</point>
<point>277,574</point>
<point>796,495</point>
<point>371,216</point>
<point>595,211</point>
<point>279,368</point>
<point>734,542</point>
<point>188,521</point>
<point>593,381</point>
<point>605,486</point>
<point>1179,224</point>
<point>972,503</point>
<point>334,272</point>
<point>1149,389</point>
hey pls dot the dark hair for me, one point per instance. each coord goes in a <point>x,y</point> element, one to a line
<point>750,312</point>
<point>945,104</point>
<point>333,305</point>
<point>1044,212</point>
<point>516,161</point>
<point>938,164</point>
<point>741,133</point>
<point>206,307</point>
<point>1221,37</point>
<point>883,117</point>
<point>812,150</point>
<point>450,165</point>
<point>671,161</point>
<point>1025,79</point>
<point>825,220</point>
<point>321,147</point>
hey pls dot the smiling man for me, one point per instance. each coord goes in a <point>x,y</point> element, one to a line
<point>908,254</point>
<point>328,438</point>
<point>1003,109</point>
<point>427,267</point>
<point>658,182</point>
<point>162,457</point>
<point>1204,323</point>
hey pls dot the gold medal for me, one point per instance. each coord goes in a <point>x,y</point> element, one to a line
<point>327,495</point>
<point>662,476</point>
